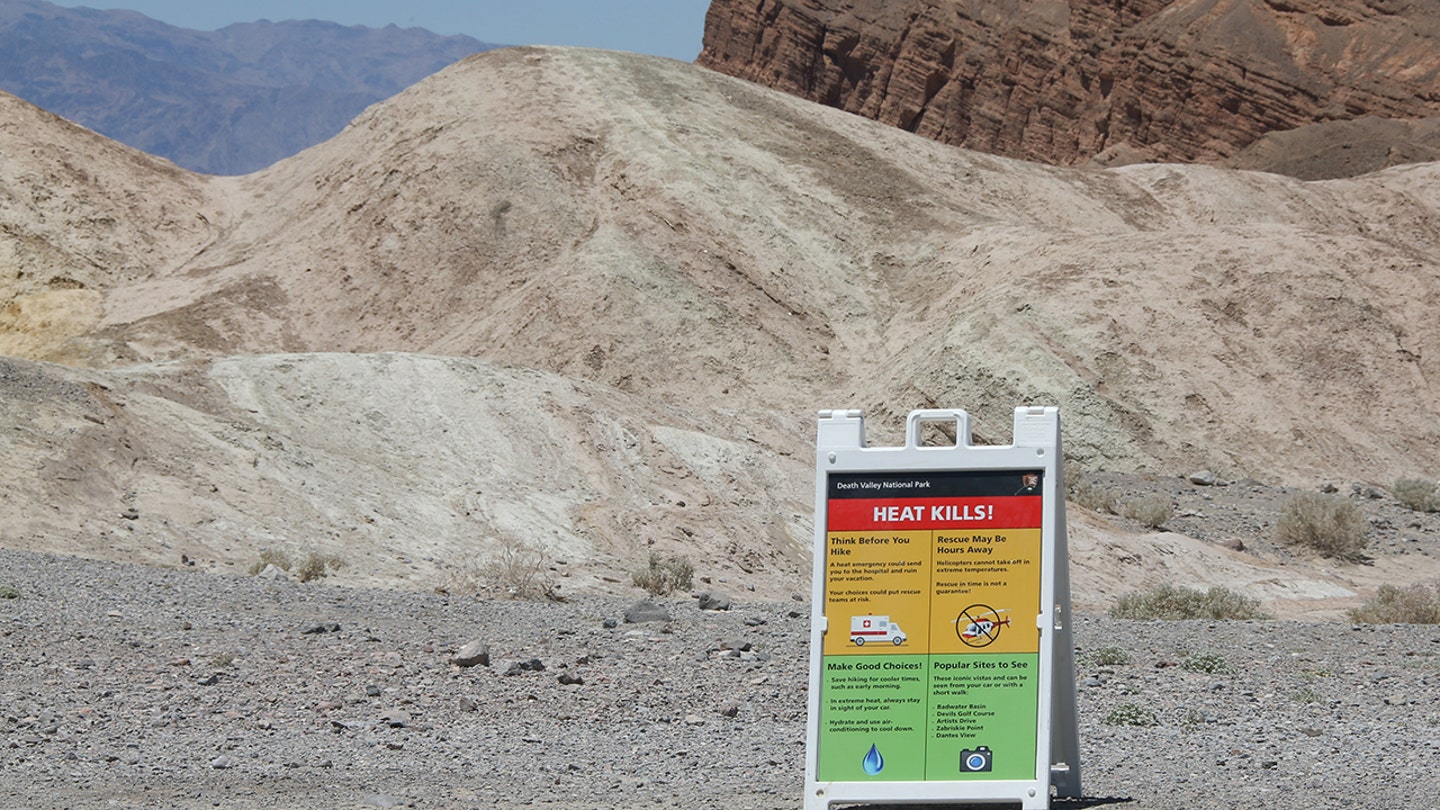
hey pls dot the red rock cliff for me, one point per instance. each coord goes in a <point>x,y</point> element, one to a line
<point>1062,82</point>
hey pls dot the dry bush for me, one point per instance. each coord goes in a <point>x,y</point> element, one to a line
<point>513,570</point>
<point>520,571</point>
<point>1417,494</point>
<point>271,556</point>
<point>665,575</point>
<point>1325,523</point>
<point>1173,603</point>
<point>1096,497</point>
<point>1150,511</point>
<point>1417,604</point>
<point>316,565</point>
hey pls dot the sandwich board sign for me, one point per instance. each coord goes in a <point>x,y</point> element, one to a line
<point>941,658</point>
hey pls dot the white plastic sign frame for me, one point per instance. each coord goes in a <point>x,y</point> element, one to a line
<point>940,628</point>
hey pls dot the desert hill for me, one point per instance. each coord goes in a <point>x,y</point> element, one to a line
<point>588,303</point>
<point>1071,82</point>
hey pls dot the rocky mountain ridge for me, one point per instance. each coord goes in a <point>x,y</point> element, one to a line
<point>1072,82</point>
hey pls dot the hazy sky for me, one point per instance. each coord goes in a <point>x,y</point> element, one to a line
<point>670,28</point>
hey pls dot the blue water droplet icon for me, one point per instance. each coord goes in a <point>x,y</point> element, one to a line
<point>874,763</point>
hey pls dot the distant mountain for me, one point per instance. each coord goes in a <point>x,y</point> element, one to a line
<point>222,102</point>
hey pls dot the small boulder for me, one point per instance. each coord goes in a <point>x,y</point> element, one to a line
<point>1202,478</point>
<point>476,653</point>
<point>646,611</point>
<point>710,601</point>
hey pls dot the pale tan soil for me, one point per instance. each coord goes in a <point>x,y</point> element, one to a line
<point>589,303</point>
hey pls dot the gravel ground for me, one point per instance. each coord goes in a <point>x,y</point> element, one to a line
<point>125,686</point>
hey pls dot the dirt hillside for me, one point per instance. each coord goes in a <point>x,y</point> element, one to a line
<point>588,303</point>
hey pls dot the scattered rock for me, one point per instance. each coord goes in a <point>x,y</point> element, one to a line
<point>321,627</point>
<point>287,705</point>
<point>533,665</point>
<point>1202,478</point>
<point>223,762</point>
<point>709,601</point>
<point>646,610</point>
<point>474,654</point>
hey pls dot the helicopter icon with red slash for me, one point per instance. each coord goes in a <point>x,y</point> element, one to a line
<point>979,625</point>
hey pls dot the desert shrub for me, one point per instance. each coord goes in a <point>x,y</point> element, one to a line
<point>512,570</point>
<point>1191,718</point>
<point>1173,603</point>
<point>9,592</point>
<point>1131,714</point>
<point>665,575</point>
<point>312,566</point>
<point>1417,604</point>
<point>1305,694</point>
<point>271,556</point>
<point>1325,523</point>
<point>316,565</point>
<point>1109,657</point>
<point>1084,492</point>
<point>518,571</point>
<point>1150,511</point>
<point>1417,494</point>
<point>1207,662</point>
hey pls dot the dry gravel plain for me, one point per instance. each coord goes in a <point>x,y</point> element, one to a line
<point>125,686</point>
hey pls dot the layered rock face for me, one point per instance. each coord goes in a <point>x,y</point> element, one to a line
<point>1067,82</point>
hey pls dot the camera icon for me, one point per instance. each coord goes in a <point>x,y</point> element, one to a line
<point>977,760</point>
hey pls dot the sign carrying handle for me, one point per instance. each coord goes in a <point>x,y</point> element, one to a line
<point>916,421</point>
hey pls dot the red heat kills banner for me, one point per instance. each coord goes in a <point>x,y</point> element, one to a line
<point>869,514</point>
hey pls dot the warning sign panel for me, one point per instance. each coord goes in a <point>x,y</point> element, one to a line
<point>932,585</point>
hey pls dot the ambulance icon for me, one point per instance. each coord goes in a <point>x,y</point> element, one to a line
<point>875,628</point>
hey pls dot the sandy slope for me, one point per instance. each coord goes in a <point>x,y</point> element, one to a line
<point>551,294</point>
